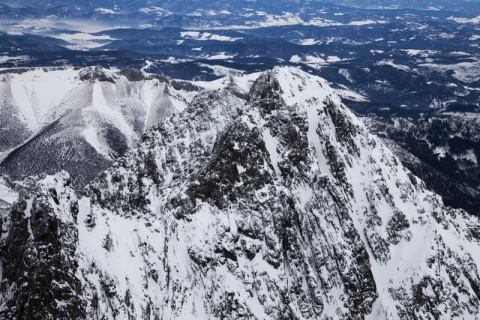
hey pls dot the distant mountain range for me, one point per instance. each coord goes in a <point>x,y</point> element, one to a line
<point>183,6</point>
<point>416,59</point>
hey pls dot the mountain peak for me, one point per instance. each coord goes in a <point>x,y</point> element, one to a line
<point>282,206</point>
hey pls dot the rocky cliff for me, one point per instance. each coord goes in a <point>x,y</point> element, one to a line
<point>282,206</point>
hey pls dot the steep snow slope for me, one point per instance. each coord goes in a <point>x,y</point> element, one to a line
<point>283,207</point>
<point>79,120</point>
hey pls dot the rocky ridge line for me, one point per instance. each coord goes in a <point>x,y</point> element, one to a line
<point>283,207</point>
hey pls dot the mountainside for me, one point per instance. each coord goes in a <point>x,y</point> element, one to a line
<point>442,148</point>
<point>79,120</point>
<point>281,207</point>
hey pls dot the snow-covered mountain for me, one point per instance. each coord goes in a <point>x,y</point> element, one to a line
<point>281,207</point>
<point>442,148</point>
<point>79,120</point>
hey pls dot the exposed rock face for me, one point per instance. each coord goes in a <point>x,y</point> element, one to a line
<point>38,250</point>
<point>282,207</point>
